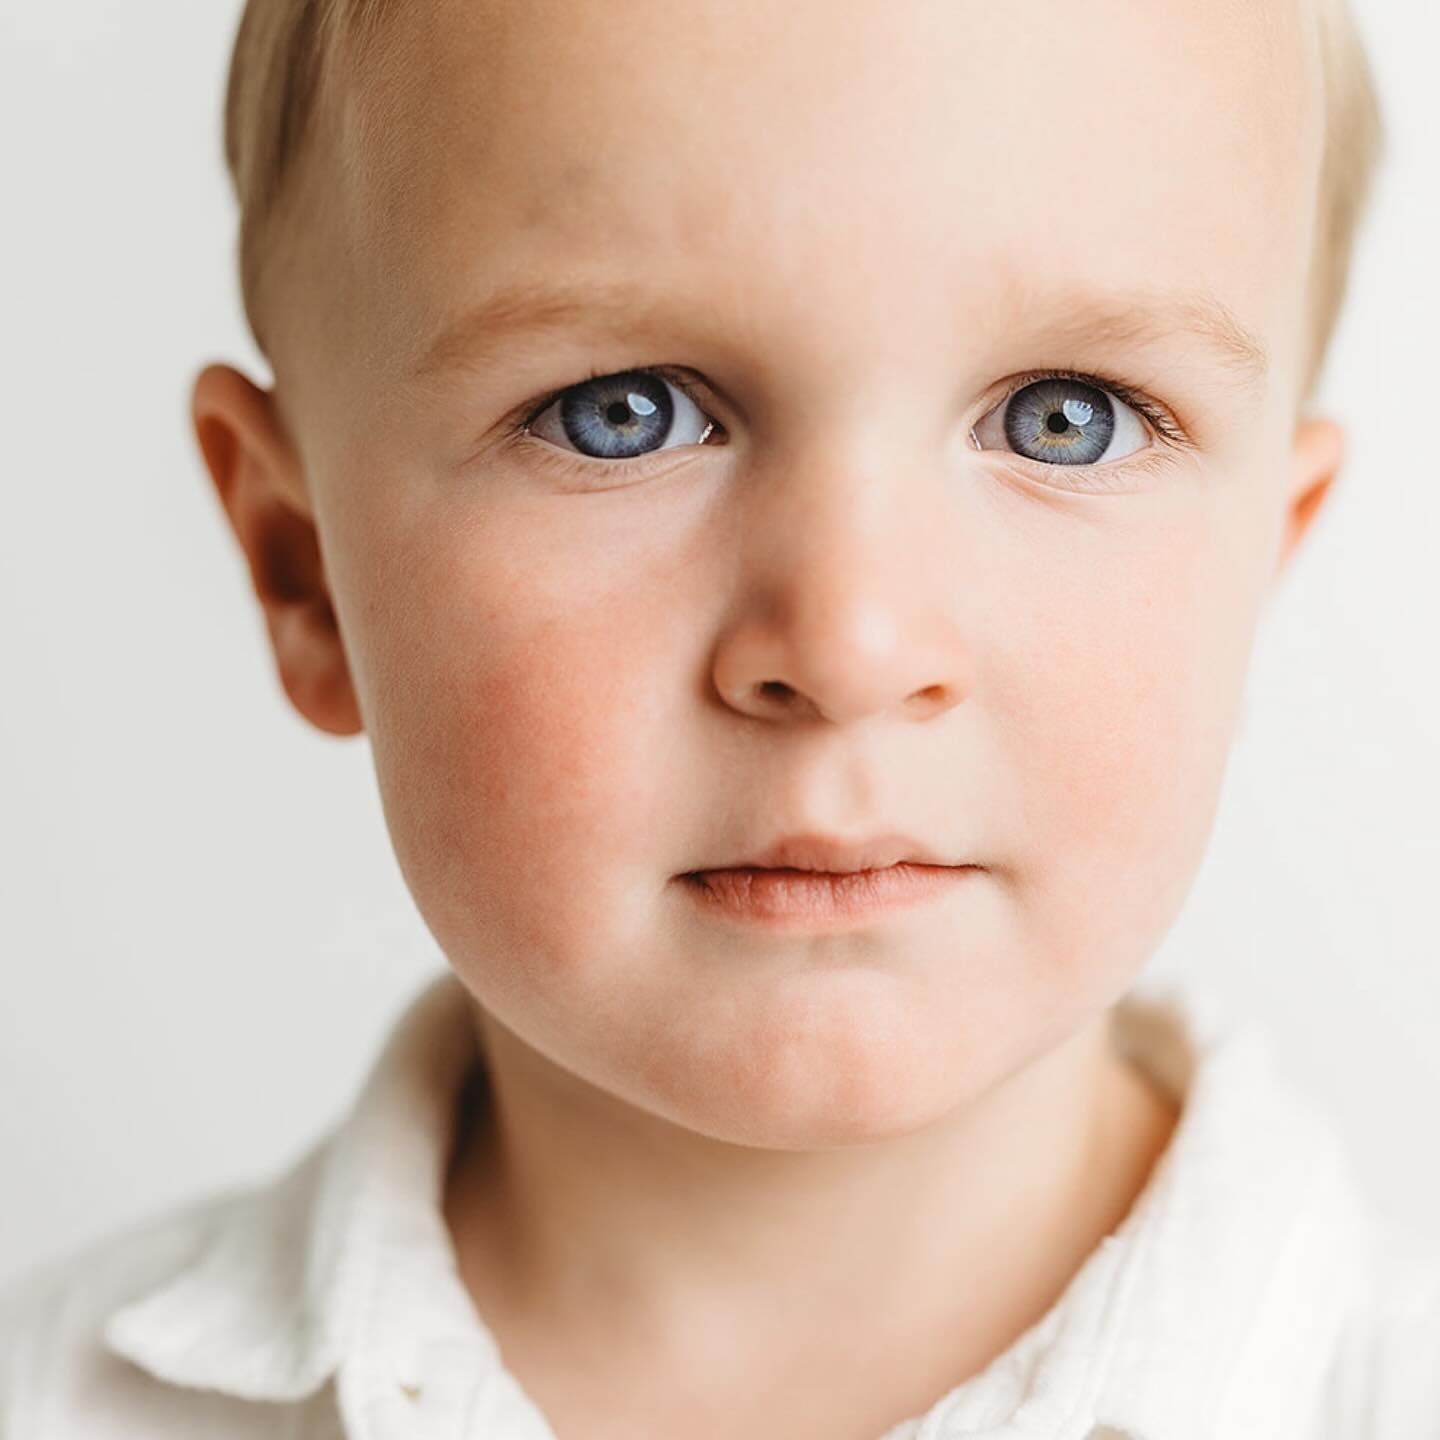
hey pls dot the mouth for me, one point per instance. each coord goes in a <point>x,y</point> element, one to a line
<point>821,900</point>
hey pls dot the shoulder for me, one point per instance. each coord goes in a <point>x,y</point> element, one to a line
<point>1386,1374</point>
<point>58,1377</point>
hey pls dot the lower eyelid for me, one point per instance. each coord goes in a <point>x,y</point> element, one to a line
<point>1118,477</point>
<point>596,474</point>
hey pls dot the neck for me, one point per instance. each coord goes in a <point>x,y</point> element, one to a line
<point>608,1230</point>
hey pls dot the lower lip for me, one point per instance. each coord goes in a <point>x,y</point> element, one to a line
<point>821,899</point>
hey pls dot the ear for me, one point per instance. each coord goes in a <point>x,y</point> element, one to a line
<point>258,476</point>
<point>1316,455</point>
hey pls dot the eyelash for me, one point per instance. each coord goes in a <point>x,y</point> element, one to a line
<point>1156,416</point>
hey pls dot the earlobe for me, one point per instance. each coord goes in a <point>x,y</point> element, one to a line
<point>256,472</point>
<point>1316,457</point>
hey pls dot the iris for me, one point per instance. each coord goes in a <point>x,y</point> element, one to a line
<point>1060,422</point>
<point>618,417</point>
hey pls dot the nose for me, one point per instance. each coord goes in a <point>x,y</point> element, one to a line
<point>846,605</point>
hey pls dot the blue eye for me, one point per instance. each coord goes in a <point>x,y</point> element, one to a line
<point>622,417</point>
<point>1061,421</point>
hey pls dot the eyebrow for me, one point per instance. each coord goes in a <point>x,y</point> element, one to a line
<point>1069,318</point>
<point>1147,317</point>
<point>533,309</point>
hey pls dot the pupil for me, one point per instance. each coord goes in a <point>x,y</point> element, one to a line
<point>1057,424</point>
<point>618,413</point>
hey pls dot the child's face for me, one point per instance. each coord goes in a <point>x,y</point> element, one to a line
<point>850,228</point>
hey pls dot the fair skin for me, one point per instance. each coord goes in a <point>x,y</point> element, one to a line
<point>720,1164</point>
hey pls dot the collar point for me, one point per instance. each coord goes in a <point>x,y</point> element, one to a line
<point>277,1367</point>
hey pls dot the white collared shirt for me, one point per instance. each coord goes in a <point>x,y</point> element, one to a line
<point>1246,1296</point>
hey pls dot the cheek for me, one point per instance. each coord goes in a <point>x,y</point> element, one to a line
<point>515,751</point>
<point>1117,707</point>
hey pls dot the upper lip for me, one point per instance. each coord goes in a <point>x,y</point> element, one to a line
<point>837,855</point>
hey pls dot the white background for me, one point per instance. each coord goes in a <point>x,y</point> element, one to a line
<point>203,931</point>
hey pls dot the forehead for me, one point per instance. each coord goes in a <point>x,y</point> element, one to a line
<point>892,157</point>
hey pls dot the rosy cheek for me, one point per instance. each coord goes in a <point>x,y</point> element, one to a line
<point>520,755</point>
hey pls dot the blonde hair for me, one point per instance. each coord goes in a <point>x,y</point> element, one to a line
<point>288,56</point>
<point>1354,144</point>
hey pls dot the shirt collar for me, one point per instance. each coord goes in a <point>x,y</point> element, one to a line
<point>1214,1308</point>
<point>283,1281</point>
<point>1210,1309</point>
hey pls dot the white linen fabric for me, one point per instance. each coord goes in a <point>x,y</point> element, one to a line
<point>1247,1295</point>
